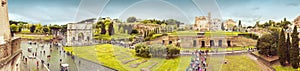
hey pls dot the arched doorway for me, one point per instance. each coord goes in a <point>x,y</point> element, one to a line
<point>80,37</point>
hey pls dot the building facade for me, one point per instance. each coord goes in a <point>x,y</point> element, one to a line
<point>207,23</point>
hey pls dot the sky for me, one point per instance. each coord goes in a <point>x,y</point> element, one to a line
<point>68,11</point>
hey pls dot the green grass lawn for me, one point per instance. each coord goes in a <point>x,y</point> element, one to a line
<point>115,36</point>
<point>278,67</point>
<point>235,63</point>
<point>112,56</point>
<point>25,31</point>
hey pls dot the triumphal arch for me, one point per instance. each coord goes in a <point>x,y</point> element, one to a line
<point>80,33</point>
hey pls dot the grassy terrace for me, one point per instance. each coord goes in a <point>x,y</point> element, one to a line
<point>278,67</point>
<point>221,49</point>
<point>113,56</point>
<point>43,37</point>
<point>115,36</point>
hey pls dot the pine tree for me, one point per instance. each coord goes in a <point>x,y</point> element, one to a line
<point>281,48</point>
<point>294,51</point>
<point>222,26</point>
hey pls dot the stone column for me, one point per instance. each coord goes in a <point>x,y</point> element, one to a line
<point>4,22</point>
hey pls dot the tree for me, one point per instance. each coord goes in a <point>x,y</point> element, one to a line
<point>257,24</point>
<point>265,45</point>
<point>14,28</point>
<point>142,50</point>
<point>222,26</point>
<point>294,51</point>
<point>54,29</point>
<point>240,24</point>
<point>131,19</point>
<point>285,24</point>
<point>172,50</point>
<point>46,29</point>
<point>266,24</point>
<point>288,43</point>
<point>111,29</point>
<point>38,28</point>
<point>281,48</point>
<point>103,30</point>
<point>32,28</point>
<point>20,25</point>
<point>64,29</point>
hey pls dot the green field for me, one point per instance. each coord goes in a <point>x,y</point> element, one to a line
<point>234,63</point>
<point>112,56</point>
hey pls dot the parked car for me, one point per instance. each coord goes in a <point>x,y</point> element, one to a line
<point>64,67</point>
<point>31,57</point>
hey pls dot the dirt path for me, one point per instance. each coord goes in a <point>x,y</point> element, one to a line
<point>261,65</point>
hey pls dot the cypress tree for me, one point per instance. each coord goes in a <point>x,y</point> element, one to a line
<point>295,49</point>
<point>281,48</point>
<point>288,43</point>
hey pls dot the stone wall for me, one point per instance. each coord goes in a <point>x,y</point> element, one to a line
<point>10,54</point>
<point>201,41</point>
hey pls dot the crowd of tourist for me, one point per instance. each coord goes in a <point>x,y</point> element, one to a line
<point>198,61</point>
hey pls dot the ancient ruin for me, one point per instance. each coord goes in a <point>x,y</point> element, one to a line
<point>80,33</point>
<point>10,51</point>
<point>207,23</point>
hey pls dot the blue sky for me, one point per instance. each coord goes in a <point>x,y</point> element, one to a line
<point>66,11</point>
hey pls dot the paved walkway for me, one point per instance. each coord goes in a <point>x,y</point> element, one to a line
<point>56,54</point>
<point>263,66</point>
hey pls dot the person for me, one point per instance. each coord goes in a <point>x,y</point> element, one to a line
<point>48,64</point>
<point>37,63</point>
<point>79,62</point>
<point>42,61</point>
<point>26,60</point>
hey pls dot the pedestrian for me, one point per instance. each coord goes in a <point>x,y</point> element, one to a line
<point>42,61</point>
<point>79,62</point>
<point>48,64</point>
<point>37,63</point>
<point>26,60</point>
